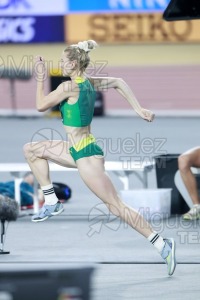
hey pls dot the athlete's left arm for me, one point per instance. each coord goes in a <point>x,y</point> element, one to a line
<point>103,83</point>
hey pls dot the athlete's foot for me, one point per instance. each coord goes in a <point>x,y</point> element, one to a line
<point>168,254</point>
<point>48,211</point>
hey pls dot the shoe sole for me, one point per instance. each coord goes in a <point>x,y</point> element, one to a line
<point>191,219</point>
<point>173,257</point>
<point>40,220</point>
<point>47,217</point>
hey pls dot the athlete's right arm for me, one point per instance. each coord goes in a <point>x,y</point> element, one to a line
<point>44,102</point>
<point>52,99</point>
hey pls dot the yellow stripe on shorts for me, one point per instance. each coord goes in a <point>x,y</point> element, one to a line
<point>84,142</point>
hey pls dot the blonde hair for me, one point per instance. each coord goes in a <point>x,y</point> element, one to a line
<point>80,53</point>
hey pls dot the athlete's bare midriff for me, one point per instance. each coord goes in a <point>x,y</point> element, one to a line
<point>76,134</point>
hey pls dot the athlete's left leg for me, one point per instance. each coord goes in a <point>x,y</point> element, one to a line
<point>37,155</point>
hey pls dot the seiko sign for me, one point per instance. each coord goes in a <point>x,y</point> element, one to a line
<point>32,7</point>
<point>130,28</point>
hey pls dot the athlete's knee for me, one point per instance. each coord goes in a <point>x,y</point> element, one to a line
<point>27,150</point>
<point>184,162</point>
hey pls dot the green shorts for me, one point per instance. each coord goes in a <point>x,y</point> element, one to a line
<point>86,147</point>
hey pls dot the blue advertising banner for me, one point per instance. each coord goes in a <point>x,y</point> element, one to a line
<point>64,7</point>
<point>119,6</point>
<point>31,29</point>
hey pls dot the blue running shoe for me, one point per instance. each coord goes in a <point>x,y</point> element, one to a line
<point>48,211</point>
<point>168,254</point>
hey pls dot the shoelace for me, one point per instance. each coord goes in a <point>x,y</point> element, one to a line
<point>45,211</point>
<point>166,251</point>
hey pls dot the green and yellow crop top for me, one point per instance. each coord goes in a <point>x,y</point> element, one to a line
<point>80,113</point>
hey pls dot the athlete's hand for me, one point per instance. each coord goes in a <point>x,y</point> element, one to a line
<point>146,114</point>
<point>39,67</point>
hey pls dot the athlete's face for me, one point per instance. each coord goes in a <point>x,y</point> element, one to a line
<point>66,65</point>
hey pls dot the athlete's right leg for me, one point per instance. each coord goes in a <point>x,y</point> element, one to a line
<point>92,171</point>
<point>37,155</point>
<point>189,159</point>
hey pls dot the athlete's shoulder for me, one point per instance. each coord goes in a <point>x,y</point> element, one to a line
<point>90,79</point>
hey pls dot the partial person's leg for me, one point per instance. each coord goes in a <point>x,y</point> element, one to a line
<point>37,155</point>
<point>189,159</point>
<point>92,172</point>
